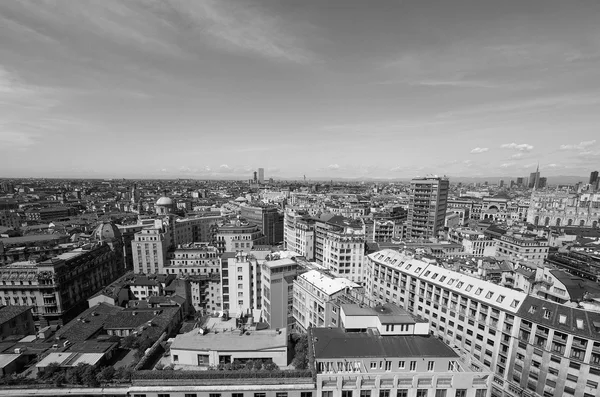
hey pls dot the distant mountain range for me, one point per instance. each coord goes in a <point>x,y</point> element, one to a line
<point>492,180</point>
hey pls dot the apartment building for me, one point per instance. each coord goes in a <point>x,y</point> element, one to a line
<point>241,291</point>
<point>534,347</point>
<point>58,288</point>
<point>473,241</point>
<point>369,364</point>
<point>332,227</point>
<point>299,233</point>
<point>10,219</point>
<point>278,277</point>
<point>193,259</point>
<point>268,218</point>
<point>206,293</point>
<point>314,303</point>
<point>343,253</point>
<point>427,206</point>
<point>149,248</point>
<point>521,246</point>
<point>238,237</point>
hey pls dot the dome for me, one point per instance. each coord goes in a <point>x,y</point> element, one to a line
<point>166,201</point>
<point>106,231</point>
<point>240,200</point>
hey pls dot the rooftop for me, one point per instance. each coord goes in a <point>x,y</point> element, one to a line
<point>7,313</point>
<point>387,313</point>
<point>336,343</point>
<point>326,283</point>
<point>231,340</point>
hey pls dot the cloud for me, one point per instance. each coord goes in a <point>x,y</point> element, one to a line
<point>234,26</point>
<point>517,156</point>
<point>478,150</point>
<point>333,167</point>
<point>506,165</point>
<point>579,146</point>
<point>523,147</point>
<point>225,169</point>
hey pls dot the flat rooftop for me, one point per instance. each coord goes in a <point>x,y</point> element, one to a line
<point>337,343</point>
<point>326,283</point>
<point>231,340</point>
<point>387,313</point>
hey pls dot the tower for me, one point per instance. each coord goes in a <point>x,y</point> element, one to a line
<point>427,206</point>
<point>261,175</point>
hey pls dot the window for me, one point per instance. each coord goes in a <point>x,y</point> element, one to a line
<point>262,395</point>
<point>480,392</point>
<point>384,393</point>
<point>213,395</point>
<point>237,394</point>
<point>139,395</point>
<point>402,393</point>
<point>430,365</point>
<point>401,364</point>
<point>176,359</point>
<point>191,395</point>
<point>441,393</point>
<point>489,295</point>
<point>413,365</point>
<point>422,392</point>
<point>346,393</point>
<point>373,364</point>
<point>281,394</point>
<point>461,393</point>
<point>165,395</point>
<point>302,394</point>
<point>388,365</point>
<point>365,393</point>
<point>478,292</point>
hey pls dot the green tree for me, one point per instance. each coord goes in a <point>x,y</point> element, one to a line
<point>300,360</point>
<point>106,374</point>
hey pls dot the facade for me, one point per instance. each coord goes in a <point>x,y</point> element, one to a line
<point>564,209</point>
<point>315,293</point>
<point>518,247</point>
<point>261,175</point>
<point>149,249</point>
<point>241,284</point>
<point>473,241</point>
<point>10,219</point>
<point>58,288</point>
<point>534,347</point>
<point>368,364</point>
<point>343,253</point>
<point>193,259</point>
<point>206,294</point>
<point>299,233</point>
<point>50,213</point>
<point>427,207</point>
<point>267,218</point>
<point>203,348</point>
<point>238,237</point>
<point>278,277</point>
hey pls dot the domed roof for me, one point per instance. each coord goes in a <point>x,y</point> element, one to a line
<point>106,231</point>
<point>166,201</point>
<point>241,199</point>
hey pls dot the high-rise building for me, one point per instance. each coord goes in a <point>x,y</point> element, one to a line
<point>520,181</point>
<point>241,283</point>
<point>278,277</point>
<point>427,206</point>
<point>534,178</point>
<point>542,182</point>
<point>261,175</point>
<point>593,177</point>
<point>267,218</point>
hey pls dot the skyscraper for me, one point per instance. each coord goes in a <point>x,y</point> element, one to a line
<point>427,206</point>
<point>261,175</point>
<point>534,178</point>
<point>593,177</point>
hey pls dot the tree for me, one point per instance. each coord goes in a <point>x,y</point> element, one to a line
<point>300,360</point>
<point>88,376</point>
<point>49,372</point>
<point>270,366</point>
<point>106,374</point>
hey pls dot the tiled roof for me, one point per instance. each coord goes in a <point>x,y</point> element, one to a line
<point>88,323</point>
<point>7,313</point>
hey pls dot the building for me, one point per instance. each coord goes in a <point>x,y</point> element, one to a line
<point>193,259</point>
<point>534,179</point>
<point>564,209</point>
<point>50,213</point>
<point>299,233</point>
<point>241,284</point>
<point>340,226</point>
<point>372,364</point>
<point>593,177</point>
<point>427,207</point>
<point>474,242</point>
<point>206,293</point>
<point>315,293</point>
<point>149,248</point>
<point>16,320</point>
<point>519,246</point>
<point>165,206</point>
<point>278,277</point>
<point>343,253</point>
<point>261,175</point>
<point>533,346</point>
<point>268,218</point>
<point>10,219</point>
<point>542,182</point>
<point>58,288</point>
<point>206,348</point>
<point>238,237</point>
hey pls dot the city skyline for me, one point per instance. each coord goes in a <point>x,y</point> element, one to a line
<point>215,90</point>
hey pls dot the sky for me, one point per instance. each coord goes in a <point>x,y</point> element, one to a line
<point>336,88</point>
